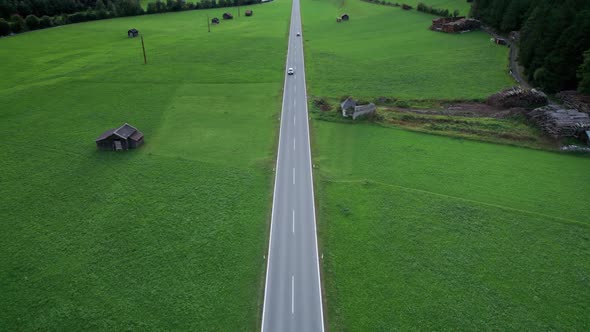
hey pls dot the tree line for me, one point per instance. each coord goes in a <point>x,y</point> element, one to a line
<point>554,38</point>
<point>24,15</point>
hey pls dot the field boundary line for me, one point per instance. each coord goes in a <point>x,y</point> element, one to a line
<point>574,221</point>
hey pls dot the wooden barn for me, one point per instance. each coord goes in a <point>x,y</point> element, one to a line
<point>122,138</point>
<point>215,20</point>
<point>500,41</point>
<point>249,12</point>
<point>227,16</point>
<point>132,33</point>
<point>351,109</point>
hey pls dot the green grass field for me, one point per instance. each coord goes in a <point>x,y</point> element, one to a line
<point>423,232</point>
<point>386,51</point>
<point>167,237</point>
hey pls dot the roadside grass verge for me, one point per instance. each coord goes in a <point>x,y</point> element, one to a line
<point>167,237</point>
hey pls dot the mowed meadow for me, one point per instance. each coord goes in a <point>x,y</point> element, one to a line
<point>387,51</point>
<point>425,232</point>
<point>429,232</point>
<point>167,237</point>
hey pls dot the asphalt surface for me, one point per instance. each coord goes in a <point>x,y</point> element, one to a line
<point>292,295</point>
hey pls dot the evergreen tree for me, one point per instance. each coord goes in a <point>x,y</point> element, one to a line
<point>4,27</point>
<point>46,22</point>
<point>32,22</point>
<point>584,74</point>
<point>17,23</point>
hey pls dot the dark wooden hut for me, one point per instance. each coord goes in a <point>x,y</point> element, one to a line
<point>249,12</point>
<point>227,16</point>
<point>215,20</point>
<point>500,41</point>
<point>132,33</point>
<point>123,138</point>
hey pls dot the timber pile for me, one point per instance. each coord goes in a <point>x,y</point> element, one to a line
<point>518,97</point>
<point>575,100</point>
<point>454,24</point>
<point>559,122</point>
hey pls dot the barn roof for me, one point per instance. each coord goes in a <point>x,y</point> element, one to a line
<point>368,107</point>
<point>348,103</point>
<point>125,131</point>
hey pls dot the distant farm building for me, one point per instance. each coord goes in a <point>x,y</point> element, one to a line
<point>123,138</point>
<point>249,12</point>
<point>227,16</point>
<point>454,24</point>
<point>132,33</point>
<point>215,20</point>
<point>500,41</point>
<point>351,109</point>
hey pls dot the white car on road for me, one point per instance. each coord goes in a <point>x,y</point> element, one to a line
<point>290,71</point>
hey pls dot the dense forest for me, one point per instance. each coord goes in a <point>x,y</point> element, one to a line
<point>554,36</point>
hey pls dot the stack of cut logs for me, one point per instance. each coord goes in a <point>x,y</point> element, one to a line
<point>575,100</point>
<point>559,122</point>
<point>518,97</point>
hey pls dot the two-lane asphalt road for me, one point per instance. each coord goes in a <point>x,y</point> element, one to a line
<point>293,296</point>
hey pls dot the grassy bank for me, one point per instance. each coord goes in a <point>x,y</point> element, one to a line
<point>169,236</point>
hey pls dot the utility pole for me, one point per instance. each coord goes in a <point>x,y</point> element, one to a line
<point>208,24</point>
<point>143,47</point>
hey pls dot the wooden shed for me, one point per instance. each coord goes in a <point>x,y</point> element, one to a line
<point>215,20</point>
<point>227,16</point>
<point>500,41</point>
<point>249,12</point>
<point>122,138</point>
<point>132,33</point>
